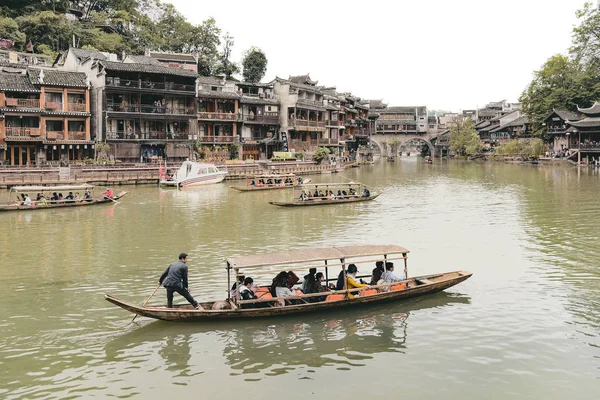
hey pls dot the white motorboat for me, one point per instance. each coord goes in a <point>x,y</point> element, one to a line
<point>193,174</point>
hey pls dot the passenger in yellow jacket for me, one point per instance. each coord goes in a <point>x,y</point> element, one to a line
<point>351,280</point>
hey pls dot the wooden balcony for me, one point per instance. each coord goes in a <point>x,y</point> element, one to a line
<point>335,123</point>
<point>53,106</point>
<point>22,103</point>
<point>76,135</point>
<point>141,84</point>
<point>54,135</point>
<point>219,139</point>
<point>328,141</point>
<point>218,116</point>
<point>308,123</point>
<point>23,132</point>
<point>149,135</point>
<point>148,109</point>
<point>262,119</point>
<point>76,107</point>
<point>310,102</point>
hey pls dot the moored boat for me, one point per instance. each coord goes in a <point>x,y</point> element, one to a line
<point>192,173</point>
<point>271,182</point>
<point>45,202</point>
<point>327,194</point>
<point>266,305</point>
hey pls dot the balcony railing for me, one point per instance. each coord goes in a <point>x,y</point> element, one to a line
<point>328,141</point>
<point>310,102</point>
<point>53,106</point>
<point>304,122</point>
<point>117,82</point>
<point>217,115</point>
<point>148,109</point>
<point>22,103</point>
<point>78,107</point>
<point>557,129</point>
<point>54,134</point>
<point>23,132</point>
<point>58,106</point>
<point>335,123</point>
<point>149,135</point>
<point>76,135</point>
<point>219,139</point>
<point>264,119</point>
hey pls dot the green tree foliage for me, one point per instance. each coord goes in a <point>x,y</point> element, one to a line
<point>226,66</point>
<point>464,140</point>
<point>320,154</point>
<point>205,41</point>
<point>9,29</point>
<point>47,28</point>
<point>526,148</point>
<point>254,64</point>
<point>565,82</point>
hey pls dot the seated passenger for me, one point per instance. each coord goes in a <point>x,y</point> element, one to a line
<point>27,201</point>
<point>108,193</point>
<point>70,196</point>
<point>60,197</point>
<point>269,181</point>
<point>339,193</point>
<point>366,193</point>
<point>388,276</point>
<point>331,195</point>
<point>339,285</point>
<point>351,280</point>
<point>377,271</point>
<point>352,192</point>
<point>300,180</point>
<point>309,280</point>
<point>87,196</point>
<point>317,287</point>
<point>316,193</point>
<point>54,196</point>
<point>252,182</point>
<point>234,288</point>
<point>76,197</point>
<point>42,201</point>
<point>303,196</point>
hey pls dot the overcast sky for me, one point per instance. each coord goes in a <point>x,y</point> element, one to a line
<point>444,54</point>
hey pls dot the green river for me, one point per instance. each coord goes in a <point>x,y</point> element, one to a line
<point>526,325</point>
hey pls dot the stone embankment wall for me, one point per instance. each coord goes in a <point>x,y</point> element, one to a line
<point>137,174</point>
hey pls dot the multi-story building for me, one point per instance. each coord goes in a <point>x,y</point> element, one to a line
<point>400,120</point>
<point>143,110</point>
<point>45,117</point>
<point>302,116</point>
<point>259,112</point>
<point>175,60</point>
<point>218,112</point>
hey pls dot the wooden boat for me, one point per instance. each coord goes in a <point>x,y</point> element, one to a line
<point>271,182</point>
<point>46,204</point>
<point>343,193</point>
<point>325,258</point>
<point>194,174</point>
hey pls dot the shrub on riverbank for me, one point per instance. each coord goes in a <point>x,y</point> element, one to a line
<point>527,148</point>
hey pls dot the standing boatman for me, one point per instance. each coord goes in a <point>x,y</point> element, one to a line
<point>175,279</point>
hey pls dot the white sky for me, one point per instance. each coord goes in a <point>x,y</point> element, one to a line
<point>445,54</point>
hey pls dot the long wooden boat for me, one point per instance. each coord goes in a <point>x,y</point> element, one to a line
<point>272,182</point>
<point>235,308</point>
<point>342,193</point>
<point>47,204</point>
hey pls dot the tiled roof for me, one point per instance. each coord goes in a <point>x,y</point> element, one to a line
<point>593,110</point>
<point>173,56</point>
<point>302,79</point>
<point>566,115</point>
<point>257,100</point>
<point>331,107</point>
<point>142,60</point>
<point>395,121</point>
<point>217,94</point>
<point>212,80</point>
<point>487,112</point>
<point>399,110</point>
<point>147,68</point>
<point>58,78</point>
<point>377,104</point>
<point>83,54</point>
<point>258,85</point>
<point>16,83</point>
<point>586,123</point>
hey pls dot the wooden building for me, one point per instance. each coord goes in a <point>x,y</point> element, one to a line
<point>45,117</point>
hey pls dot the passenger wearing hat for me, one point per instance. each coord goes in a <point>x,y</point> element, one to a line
<point>175,279</point>
<point>351,279</point>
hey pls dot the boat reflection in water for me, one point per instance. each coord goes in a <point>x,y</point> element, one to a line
<point>318,340</point>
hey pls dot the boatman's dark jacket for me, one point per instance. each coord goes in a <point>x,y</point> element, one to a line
<point>176,275</point>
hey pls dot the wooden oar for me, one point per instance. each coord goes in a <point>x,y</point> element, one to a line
<point>147,300</point>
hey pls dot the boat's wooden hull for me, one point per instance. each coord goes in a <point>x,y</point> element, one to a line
<point>306,203</point>
<point>185,313</point>
<point>272,187</point>
<point>81,203</point>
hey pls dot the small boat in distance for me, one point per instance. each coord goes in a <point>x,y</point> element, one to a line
<point>46,192</point>
<point>266,304</point>
<point>321,194</point>
<point>271,182</point>
<point>193,174</point>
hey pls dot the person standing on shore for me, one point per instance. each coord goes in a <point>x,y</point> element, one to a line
<point>175,279</point>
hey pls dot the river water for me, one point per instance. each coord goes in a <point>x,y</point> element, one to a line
<point>526,325</point>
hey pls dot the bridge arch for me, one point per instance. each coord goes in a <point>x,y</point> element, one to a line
<point>404,139</point>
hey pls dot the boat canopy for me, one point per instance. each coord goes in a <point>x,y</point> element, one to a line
<point>63,188</point>
<point>309,255</point>
<point>272,176</point>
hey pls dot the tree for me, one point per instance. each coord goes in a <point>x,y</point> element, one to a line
<point>254,64</point>
<point>226,66</point>
<point>464,140</point>
<point>49,28</point>
<point>9,29</point>
<point>585,48</point>
<point>204,41</point>
<point>320,154</point>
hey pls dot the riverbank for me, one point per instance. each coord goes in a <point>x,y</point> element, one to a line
<point>142,174</point>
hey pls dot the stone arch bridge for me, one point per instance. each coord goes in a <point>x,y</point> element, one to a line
<point>403,138</point>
